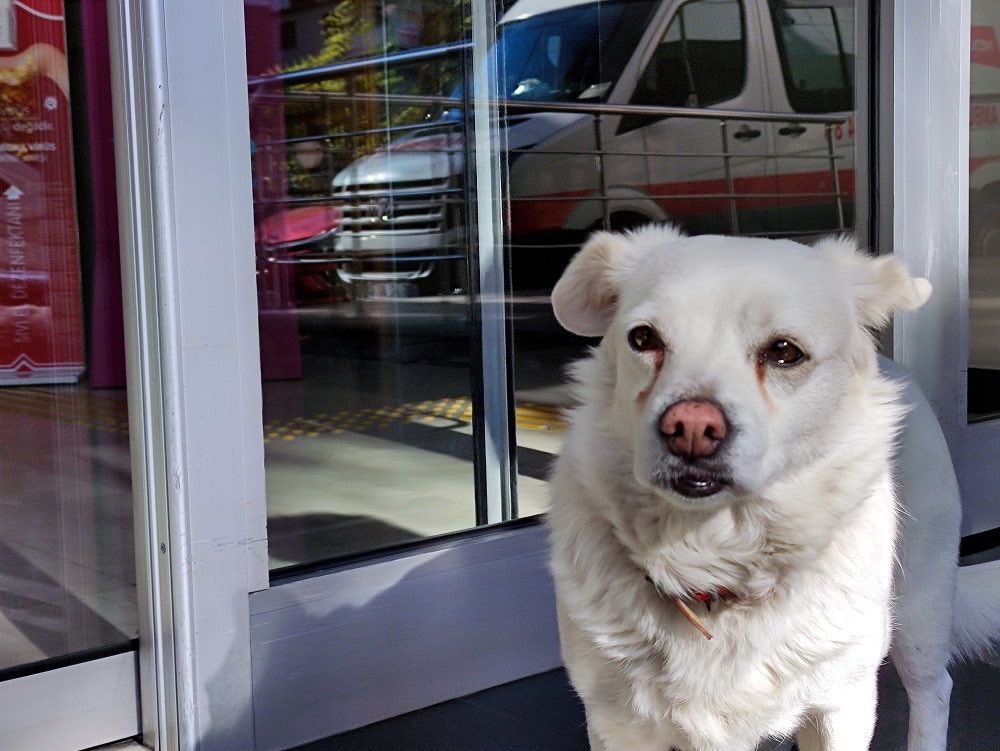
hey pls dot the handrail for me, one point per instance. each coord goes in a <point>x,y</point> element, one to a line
<point>349,66</point>
<point>701,113</point>
<point>725,120</point>
<point>583,108</point>
<point>442,50</point>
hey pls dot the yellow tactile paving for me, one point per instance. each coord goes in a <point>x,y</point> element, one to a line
<point>90,409</point>
<point>445,413</point>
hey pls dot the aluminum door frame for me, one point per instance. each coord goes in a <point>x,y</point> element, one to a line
<point>182,152</point>
<point>931,231</point>
<point>88,703</point>
<point>184,185</point>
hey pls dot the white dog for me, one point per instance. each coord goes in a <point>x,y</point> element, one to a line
<point>729,474</point>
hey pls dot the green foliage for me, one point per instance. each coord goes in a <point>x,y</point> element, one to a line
<point>353,111</point>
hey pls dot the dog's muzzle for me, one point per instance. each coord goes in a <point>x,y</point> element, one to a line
<point>693,431</point>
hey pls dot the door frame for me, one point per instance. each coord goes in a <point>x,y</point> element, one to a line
<point>931,230</point>
<point>186,225</point>
<point>182,152</point>
<point>82,704</point>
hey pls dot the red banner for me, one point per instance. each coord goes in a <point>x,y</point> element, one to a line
<point>984,46</point>
<point>41,328</point>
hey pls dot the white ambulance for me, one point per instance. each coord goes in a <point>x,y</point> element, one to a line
<point>721,115</point>
<point>984,207</point>
<point>984,133</point>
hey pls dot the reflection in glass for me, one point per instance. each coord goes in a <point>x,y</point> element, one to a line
<point>718,115</point>
<point>67,571</point>
<point>984,215</point>
<point>818,56</point>
<point>366,312</point>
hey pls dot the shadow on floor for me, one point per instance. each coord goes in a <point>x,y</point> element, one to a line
<point>315,537</point>
<point>541,713</point>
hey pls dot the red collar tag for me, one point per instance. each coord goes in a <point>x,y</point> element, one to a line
<point>722,593</point>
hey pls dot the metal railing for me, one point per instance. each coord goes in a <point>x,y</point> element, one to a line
<point>459,51</point>
<point>334,144</point>
<point>723,118</point>
<point>380,208</point>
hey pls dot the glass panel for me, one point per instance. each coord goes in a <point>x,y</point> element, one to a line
<point>984,214</point>
<point>815,43</point>
<point>368,257</point>
<point>367,320</point>
<point>67,572</point>
<point>817,56</point>
<point>700,61</point>
<point>769,174</point>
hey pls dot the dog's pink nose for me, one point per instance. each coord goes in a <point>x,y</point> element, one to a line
<point>693,429</point>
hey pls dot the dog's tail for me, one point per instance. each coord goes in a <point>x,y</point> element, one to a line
<point>976,625</point>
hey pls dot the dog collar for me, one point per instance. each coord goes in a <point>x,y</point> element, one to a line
<point>722,594</point>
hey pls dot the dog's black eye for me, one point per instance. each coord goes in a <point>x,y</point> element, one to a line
<point>644,338</point>
<point>782,352</point>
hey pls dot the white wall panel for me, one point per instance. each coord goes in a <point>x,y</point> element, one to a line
<point>339,651</point>
<point>70,708</point>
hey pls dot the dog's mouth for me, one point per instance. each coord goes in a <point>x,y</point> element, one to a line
<point>694,480</point>
<point>695,483</point>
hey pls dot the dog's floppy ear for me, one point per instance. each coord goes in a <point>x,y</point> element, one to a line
<point>586,295</point>
<point>881,285</point>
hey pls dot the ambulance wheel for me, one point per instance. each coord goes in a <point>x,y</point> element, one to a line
<point>624,220</point>
<point>984,232</point>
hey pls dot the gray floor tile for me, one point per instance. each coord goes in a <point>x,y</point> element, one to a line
<point>542,713</point>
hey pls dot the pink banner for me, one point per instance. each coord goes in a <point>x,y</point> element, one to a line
<point>984,46</point>
<point>106,338</point>
<point>41,329</point>
<point>280,356</point>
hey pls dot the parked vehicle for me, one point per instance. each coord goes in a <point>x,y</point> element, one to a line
<point>984,133</point>
<point>722,115</point>
<point>303,238</point>
<point>984,208</point>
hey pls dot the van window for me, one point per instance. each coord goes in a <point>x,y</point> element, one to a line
<point>816,44</point>
<point>572,54</point>
<point>701,59</point>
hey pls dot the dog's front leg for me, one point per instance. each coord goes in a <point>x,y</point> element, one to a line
<point>848,727</point>
<point>596,744</point>
<point>607,733</point>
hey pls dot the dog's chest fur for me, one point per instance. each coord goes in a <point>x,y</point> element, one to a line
<point>767,661</point>
<point>661,661</point>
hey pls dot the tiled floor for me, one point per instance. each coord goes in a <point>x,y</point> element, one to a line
<point>364,453</point>
<point>542,714</point>
<point>67,571</point>
<point>535,714</point>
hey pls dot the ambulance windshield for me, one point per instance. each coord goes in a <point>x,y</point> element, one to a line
<point>573,54</point>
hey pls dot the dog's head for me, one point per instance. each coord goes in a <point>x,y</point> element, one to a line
<point>730,358</point>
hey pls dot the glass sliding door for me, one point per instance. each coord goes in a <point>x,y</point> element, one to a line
<point>944,197</point>
<point>422,172</point>
<point>68,616</point>
<point>984,215</point>
<point>379,403</point>
<point>366,288</point>
<point>983,359</point>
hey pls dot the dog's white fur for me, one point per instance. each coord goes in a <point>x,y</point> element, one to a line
<point>804,529</point>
